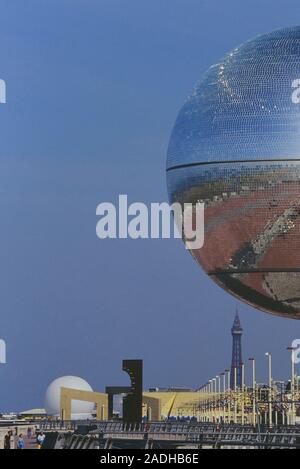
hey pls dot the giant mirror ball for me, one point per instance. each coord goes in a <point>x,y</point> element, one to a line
<point>236,147</point>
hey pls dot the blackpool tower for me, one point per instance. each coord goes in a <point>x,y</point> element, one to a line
<point>237,356</point>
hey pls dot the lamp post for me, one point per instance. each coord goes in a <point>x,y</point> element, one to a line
<point>235,395</point>
<point>269,356</point>
<point>243,394</point>
<point>224,396</point>
<point>206,402</point>
<point>254,389</point>
<point>227,373</point>
<point>228,379</point>
<point>219,396</point>
<point>292,350</point>
<point>201,408</point>
<point>214,398</point>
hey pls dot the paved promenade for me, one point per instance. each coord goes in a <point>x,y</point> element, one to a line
<point>30,443</point>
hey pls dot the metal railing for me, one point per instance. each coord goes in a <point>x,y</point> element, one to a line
<point>166,434</point>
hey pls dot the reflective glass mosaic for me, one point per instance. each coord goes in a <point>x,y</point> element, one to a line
<point>236,147</point>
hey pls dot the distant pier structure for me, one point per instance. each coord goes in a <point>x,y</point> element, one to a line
<point>237,354</point>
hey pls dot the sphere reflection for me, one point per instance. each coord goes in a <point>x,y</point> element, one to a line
<point>236,147</point>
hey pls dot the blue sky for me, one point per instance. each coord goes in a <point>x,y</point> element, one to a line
<point>93,90</point>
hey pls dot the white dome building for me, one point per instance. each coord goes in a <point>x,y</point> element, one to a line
<point>80,410</point>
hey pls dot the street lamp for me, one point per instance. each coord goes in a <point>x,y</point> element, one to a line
<point>224,396</point>
<point>218,396</point>
<point>224,381</point>
<point>243,394</point>
<point>235,395</point>
<point>214,386</point>
<point>206,400</point>
<point>219,384</point>
<point>214,398</point>
<point>292,350</point>
<point>210,399</point>
<point>254,389</point>
<point>227,372</point>
<point>228,380</point>
<point>269,356</point>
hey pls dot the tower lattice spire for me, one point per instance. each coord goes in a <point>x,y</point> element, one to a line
<point>237,355</point>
